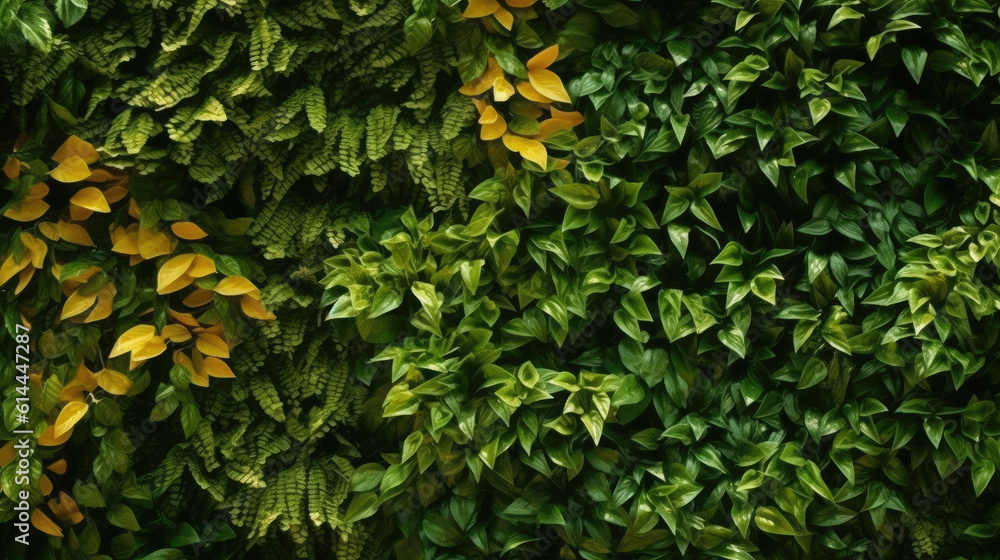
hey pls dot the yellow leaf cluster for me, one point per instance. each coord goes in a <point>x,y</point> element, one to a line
<point>32,207</point>
<point>502,12</point>
<point>542,88</point>
<point>90,296</point>
<point>32,258</point>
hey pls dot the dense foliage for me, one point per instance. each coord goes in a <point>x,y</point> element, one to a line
<point>493,278</point>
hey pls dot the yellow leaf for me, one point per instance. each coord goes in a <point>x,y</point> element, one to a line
<point>71,170</point>
<point>7,454</point>
<point>480,8</point>
<point>113,382</point>
<point>65,508</point>
<point>44,524</point>
<point>23,278</point>
<point>493,130</point>
<point>186,319</point>
<point>74,233</point>
<point>78,214</point>
<point>548,126</point>
<point>197,378</point>
<point>154,243</point>
<point>172,270</point>
<point>202,266</point>
<point>74,146</point>
<point>133,208</point>
<point>489,116</point>
<point>531,150</point>
<point>49,230</point>
<point>58,467</point>
<point>544,58</point>
<point>28,210</point>
<point>502,89</point>
<point>548,84</point>
<point>36,247</point>
<point>198,298</point>
<point>102,176</point>
<point>176,333</point>
<point>154,347</point>
<point>188,230</point>
<point>45,485</point>
<point>77,304</point>
<point>49,439</point>
<point>91,198</point>
<point>574,117</point>
<point>132,339</point>
<point>253,309</point>
<point>11,267</point>
<point>74,391</point>
<point>38,191</point>
<point>212,345</point>
<point>505,18</point>
<point>236,286</point>
<point>85,376</point>
<point>178,284</point>
<point>105,304</point>
<point>69,416</point>
<point>529,92</point>
<point>114,194</point>
<point>12,168</point>
<point>484,82</point>
<point>127,244</point>
<point>215,367</point>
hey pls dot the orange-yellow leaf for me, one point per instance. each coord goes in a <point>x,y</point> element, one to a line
<point>127,244</point>
<point>236,286</point>
<point>176,333</point>
<point>544,58</point>
<point>74,233</point>
<point>11,267</point>
<point>58,467</point>
<point>75,147</point>
<point>198,298</point>
<point>69,416</point>
<point>44,524</point>
<point>188,230</point>
<point>531,150</point>
<point>480,8</point>
<point>49,438</point>
<point>197,377</point>
<point>548,84</point>
<point>548,126</point>
<point>36,247</point>
<point>182,318</point>
<point>22,280</point>
<point>65,508</point>
<point>133,338</point>
<point>505,18</point>
<point>105,304</point>
<point>502,89</point>
<point>114,194</point>
<point>71,170</point>
<point>78,214</point>
<point>172,270</point>
<point>45,485</point>
<point>102,176</point>
<point>74,391</point>
<point>178,284</point>
<point>529,92</point>
<point>151,349</point>
<point>202,266</point>
<point>7,454</point>
<point>113,382</point>
<point>38,191</point>
<point>212,345</point>
<point>86,377</point>
<point>494,130</point>
<point>133,208</point>
<point>91,198</point>
<point>574,117</point>
<point>49,230</point>
<point>77,304</point>
<point>12,168</point>
<point>215,367</point>
<point>28,210</point>
<point>154,243</point>
<point>484,82</point>
<point>489,115</point>
<point>253,309</point>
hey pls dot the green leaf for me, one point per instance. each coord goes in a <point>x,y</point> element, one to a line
<point>770,520</point>
<point>121,516</point>
<point>915,57</point>
<point>362,506</point>
<point>578,195</point>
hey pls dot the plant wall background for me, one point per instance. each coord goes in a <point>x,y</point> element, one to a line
<point>577,279</point>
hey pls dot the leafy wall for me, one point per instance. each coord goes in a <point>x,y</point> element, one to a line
<point>577,279</point>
